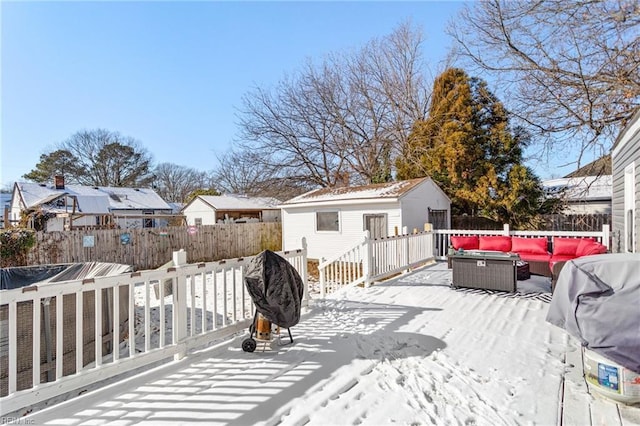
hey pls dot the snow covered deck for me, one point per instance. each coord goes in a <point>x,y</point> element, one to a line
<point>410,350</point>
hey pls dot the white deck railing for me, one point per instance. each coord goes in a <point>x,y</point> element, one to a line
<point>197,304</point>
<point>371,260</point>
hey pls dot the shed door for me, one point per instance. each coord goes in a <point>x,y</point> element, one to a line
<point>376,224</point>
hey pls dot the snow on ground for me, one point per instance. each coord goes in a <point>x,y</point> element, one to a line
<point>410,350</point>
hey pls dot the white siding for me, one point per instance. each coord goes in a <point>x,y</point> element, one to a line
<point>626,152</point>
<point>418,201</point>
<point>592,207</point>
<point>300,222</point>
<point>200,209</point>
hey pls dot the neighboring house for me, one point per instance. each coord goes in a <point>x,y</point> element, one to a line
<point>62,207</point>
<point>626,187</point>
<point>212,209</point>
<point>334,219</point>
<point>587,190</point>
<point>582,195</point>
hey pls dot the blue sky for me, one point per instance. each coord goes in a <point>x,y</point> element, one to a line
<point>170,74</point>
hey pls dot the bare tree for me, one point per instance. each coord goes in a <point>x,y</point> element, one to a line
<point>244,172</point>
<point>174,183</point>
<point>347,116</point>
<point>569,69</point>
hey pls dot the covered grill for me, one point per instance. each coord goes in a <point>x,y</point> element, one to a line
<point>276,289</point>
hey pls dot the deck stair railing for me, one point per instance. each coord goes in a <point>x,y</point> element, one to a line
<point>375,259</point>
<point>196,304</point>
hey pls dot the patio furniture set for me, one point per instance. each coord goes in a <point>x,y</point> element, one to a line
<point>497,262</point>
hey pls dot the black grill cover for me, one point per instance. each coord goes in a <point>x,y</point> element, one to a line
<point>275,288</point>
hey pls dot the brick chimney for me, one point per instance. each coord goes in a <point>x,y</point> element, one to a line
<point>58,182</point>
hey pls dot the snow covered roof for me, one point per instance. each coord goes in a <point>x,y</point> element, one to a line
<point>93,199</point>
<point>391,190</point>
<point>581,188</point>
<point>239,202</point>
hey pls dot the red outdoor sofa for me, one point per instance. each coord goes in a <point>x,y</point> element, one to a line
<point>534,250</point>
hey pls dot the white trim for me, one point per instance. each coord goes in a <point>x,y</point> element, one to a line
<point>629,205</point>
<point>346,201</point>
<point>630,130</point>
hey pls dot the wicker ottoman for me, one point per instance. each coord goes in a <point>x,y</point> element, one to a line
<point>522,271</point>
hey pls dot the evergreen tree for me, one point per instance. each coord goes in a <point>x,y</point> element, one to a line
<point>96,157</point>
<point>202,191</point>
<point>60,162</point>
<point>468,147</point>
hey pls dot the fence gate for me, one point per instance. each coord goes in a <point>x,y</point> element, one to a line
<point>438,219</point>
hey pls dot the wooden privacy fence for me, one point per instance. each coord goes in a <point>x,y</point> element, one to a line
<point>150,248</point>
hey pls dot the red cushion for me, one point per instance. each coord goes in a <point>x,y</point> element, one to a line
<point>496,242</point>
<point>565,246</point>
<point>528,257</point>
<point>465,242</point>
<point>529,245</point>
<point>586,248</point>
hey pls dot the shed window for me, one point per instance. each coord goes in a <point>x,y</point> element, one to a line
<point>198,221</point>
<point>327,221</point>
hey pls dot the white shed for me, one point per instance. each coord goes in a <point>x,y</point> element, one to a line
<point>334,219</point>
<point>212,209</point>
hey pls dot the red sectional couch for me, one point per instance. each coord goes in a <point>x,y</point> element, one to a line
<point>534,250</point>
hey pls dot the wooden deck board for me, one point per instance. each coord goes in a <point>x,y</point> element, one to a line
<point>576,400</point>
<point>580,407</point>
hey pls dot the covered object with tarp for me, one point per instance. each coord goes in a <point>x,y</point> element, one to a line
<point>29,277</point>
<point>597,300</point>
<point>22,276</point>
<point>276,289</point>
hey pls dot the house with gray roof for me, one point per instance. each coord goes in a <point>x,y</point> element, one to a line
<point>214,209</point>
<point>582,194</point>
<point>588,190</point>
<point>57,207</point>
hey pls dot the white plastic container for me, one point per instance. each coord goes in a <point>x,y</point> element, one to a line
<point>610,379</point>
